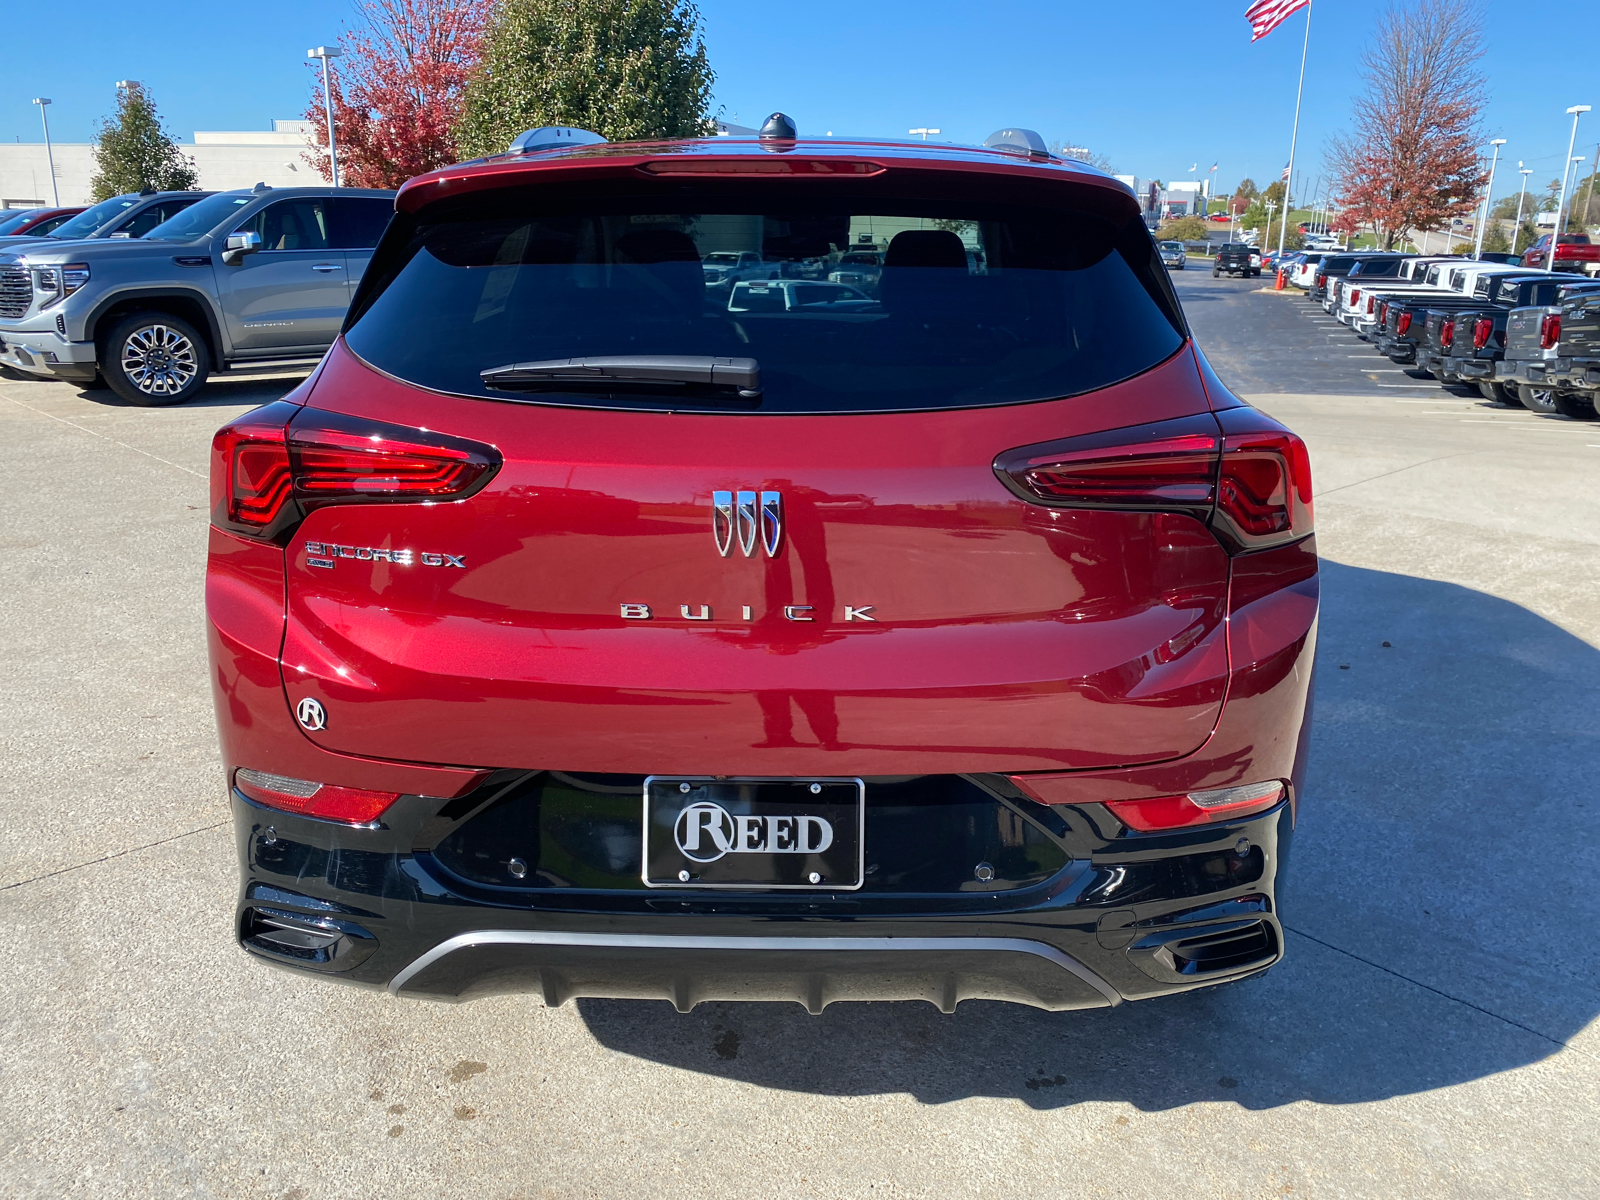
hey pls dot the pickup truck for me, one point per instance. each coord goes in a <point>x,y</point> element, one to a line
<point>1574,252</point>
<point>1479,340</point>
<point>1452,281</point>
<point>1334,268</point>
<point>1236,258</point>
<point>797,295</point>
<point>725,268</point>
<point>240,281</point>
<point>1579,380</point>
<point>1535,367</point>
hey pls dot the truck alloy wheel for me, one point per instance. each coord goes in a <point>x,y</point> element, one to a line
<point>155,358</point>
<point>1540,400</point>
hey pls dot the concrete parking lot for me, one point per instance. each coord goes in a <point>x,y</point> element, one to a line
<point>1432,1032</point>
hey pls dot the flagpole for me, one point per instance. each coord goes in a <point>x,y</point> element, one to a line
<point>1283,230</point>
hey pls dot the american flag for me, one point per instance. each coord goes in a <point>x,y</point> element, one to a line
<point>1266,15</point>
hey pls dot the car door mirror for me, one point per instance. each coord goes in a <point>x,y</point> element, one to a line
<point>240,244</point>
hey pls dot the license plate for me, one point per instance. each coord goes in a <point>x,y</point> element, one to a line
<point>764,834</point>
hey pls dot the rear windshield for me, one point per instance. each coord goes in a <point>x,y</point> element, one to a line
<point>890,305</point>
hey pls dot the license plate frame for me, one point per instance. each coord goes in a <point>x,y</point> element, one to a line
<point>776,810</point>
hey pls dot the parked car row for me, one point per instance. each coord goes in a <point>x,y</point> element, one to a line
<point>1520,335</point>
<point>154,292</point>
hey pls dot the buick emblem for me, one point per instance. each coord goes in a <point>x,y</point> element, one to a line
<point>310,714</point>
<point>736,518</point>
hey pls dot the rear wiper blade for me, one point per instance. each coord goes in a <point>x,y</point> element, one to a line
<point>664,374</point>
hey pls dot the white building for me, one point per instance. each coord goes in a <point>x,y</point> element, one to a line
<point>225,160</point>
<point>1181,199</point>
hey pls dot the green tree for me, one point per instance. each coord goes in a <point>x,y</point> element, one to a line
<point>627,69</point>
<point>133,152</point>
<point>1184,229</point>
<point>1247,189</point>
<point>1495,239</point>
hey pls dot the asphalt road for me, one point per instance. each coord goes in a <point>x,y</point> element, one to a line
<point>1432,1032</point>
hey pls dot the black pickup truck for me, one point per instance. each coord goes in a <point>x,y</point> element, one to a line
<point>1579,378</point>
<point>1480,334</point>
<point>1404,325</point>
<point>1234,258</point>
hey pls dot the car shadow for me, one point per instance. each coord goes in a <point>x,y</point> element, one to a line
<point>1439,904</point>
<point>220,391</point>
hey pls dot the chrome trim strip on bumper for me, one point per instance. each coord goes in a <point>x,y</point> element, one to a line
<point>629,941</point>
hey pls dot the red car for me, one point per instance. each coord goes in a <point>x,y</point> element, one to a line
<point>575,633</point>
<point>34,221</point>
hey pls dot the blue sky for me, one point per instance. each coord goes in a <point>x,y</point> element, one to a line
<point>1156,94</point>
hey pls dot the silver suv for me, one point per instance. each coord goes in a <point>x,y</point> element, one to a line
<point>247,280</point>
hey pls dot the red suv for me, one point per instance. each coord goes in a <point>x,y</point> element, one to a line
<point>575,630</point>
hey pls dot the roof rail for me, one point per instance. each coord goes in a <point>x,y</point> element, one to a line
<point>1018,141</point>
<point>549,136</point>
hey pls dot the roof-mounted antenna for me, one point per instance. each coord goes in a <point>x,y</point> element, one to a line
<point>779,127</point>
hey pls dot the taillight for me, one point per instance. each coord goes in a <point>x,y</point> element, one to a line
<point>280,462</point>
<point>1383,313</point>
<point>1549,331</point>
<point>1264,487</point>
<point>1252,483</point>
<point>1481,330</point>
<point>356,806</point>
<point>1447,332</point>
<point>1197,808</point>
<point>1321,279</point>
<point>1355,297</point>
<point>1167,466</point>
<point>1404,323</point>
<point>1371,300</point>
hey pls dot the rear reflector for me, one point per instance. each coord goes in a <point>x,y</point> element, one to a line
<point>1197,808</point>
<point>1481,330</point>
<point>1252,484</point>
<point>357,806</point>
<point>278,463</point>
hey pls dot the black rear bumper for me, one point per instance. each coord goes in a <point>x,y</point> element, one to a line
<point>1119,916</point>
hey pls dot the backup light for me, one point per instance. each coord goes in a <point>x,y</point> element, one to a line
<point>354,806</point>
<point>1197,808</point>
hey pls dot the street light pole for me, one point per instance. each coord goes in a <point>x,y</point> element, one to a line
<point>1477,251</point>
<point>49,155</point>
<point>1576,111</point>
<point>325,53</point>
<point>1521,196</point>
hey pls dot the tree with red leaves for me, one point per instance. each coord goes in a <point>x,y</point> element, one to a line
<point>397,91</point>
<point>1413,160</point>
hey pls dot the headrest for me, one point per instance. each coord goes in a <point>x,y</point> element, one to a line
<point>651,246</point>
<point>926,248</point>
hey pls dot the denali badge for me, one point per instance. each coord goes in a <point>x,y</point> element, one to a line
<point>705,832</point>
<point>736,513</point>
